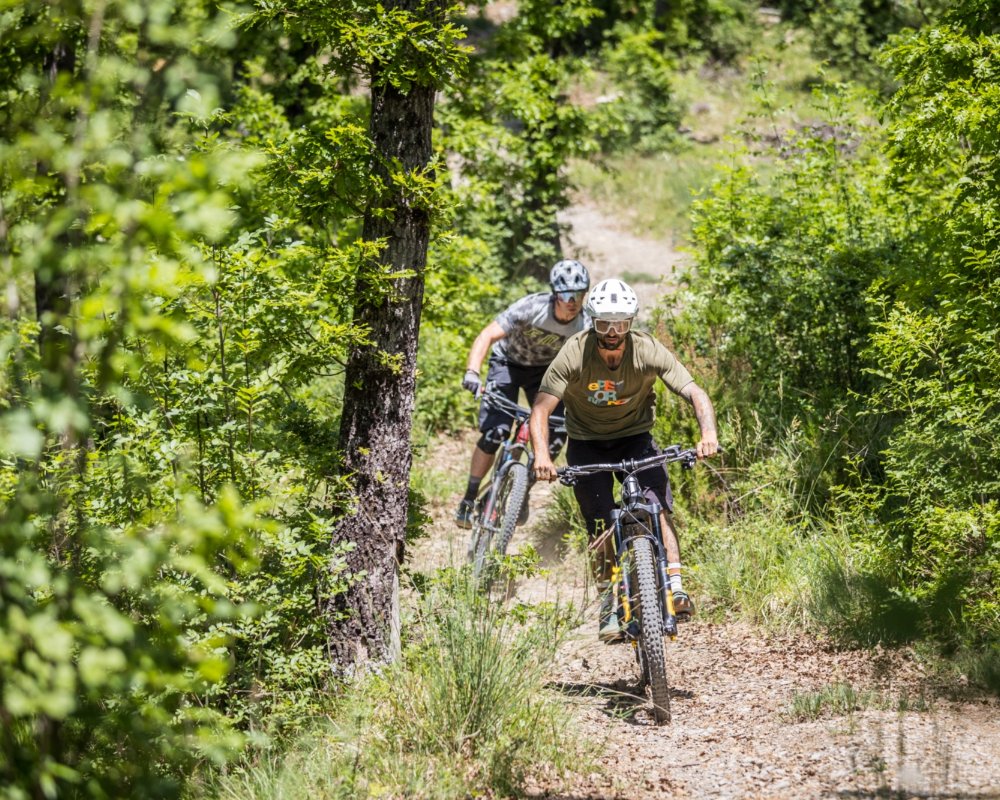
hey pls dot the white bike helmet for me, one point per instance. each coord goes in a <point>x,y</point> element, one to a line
<point>569,276</point>
<point>612,300</point>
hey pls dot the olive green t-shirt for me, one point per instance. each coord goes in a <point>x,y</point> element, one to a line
<point>602,403</point>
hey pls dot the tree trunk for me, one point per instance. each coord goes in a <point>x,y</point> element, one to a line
<point>380,385</point>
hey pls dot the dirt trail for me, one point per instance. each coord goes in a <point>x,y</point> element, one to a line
<point>733,686</point>
<point>610,250</point>
<point>733,734</point>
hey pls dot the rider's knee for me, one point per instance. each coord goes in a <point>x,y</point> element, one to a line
<point>491,439</point>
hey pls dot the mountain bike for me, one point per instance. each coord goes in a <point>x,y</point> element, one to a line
<point>503,503</point>
<point>639,575</point>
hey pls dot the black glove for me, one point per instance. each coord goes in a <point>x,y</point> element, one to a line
<point>471,381</point>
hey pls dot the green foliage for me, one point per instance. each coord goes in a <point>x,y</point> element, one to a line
<point>117,573</point>
<point>849,33</point>
<point>777,302</point>
<point>933,345</point>
<point>644,114</point>
<point>178,235</point>
<point>854,299</point>
<point>721,29</point>
<point>761,563</point>
<point>513,127</point>
<point>396,46</point>
<point>536,30</point>
<point>97,662</point>
<point>463,280</point>
<point>514,131</point>
<point>465,713</point>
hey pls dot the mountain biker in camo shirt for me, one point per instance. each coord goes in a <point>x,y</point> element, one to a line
<point>524,339</point>
<point>605,377</point>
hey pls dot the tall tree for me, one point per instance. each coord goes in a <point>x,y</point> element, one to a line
<point>381,375</point>
<point>381,378</point>
<point>407,50</point>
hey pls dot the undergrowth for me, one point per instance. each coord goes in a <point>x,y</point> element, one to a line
<point>464,714</point>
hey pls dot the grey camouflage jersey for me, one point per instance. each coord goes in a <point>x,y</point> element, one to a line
<point>534,335</point>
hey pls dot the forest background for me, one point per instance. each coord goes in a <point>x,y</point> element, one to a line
<point>187,195</point>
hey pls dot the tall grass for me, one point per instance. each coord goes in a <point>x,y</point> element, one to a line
<point>778,560</point>
<point>466,713</point>
<point>657,204</point>
<point>766,571</point>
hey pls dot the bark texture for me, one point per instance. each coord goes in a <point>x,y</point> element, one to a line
<point>379,392</point>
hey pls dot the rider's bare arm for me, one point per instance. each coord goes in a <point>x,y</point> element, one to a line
<point>705,414</point>
<point>487,337</point>
<point>541,410</point>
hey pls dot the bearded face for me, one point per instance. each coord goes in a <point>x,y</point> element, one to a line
<point>611,333</point>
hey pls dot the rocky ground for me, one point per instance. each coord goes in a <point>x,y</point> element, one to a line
<point>735,733</point>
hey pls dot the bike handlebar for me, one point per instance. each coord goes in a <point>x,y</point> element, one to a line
<point>688,458</point>
<point>517,411</point>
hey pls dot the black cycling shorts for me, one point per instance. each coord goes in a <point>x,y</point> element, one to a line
<point>595,493</point>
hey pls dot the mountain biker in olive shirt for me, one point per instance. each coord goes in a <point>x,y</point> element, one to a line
<point>522,341</point>
<point>605,377</point>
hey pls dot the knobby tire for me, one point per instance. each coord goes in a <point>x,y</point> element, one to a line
<point>650,616</point>
<point>495,527</point>
<point>513,494</point>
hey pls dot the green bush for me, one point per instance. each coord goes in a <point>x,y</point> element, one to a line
<point>721,29</point>
<point>100,655</point>
<point>933,343</point>
<point>643,113</point>
<point>849,33</point>
<point>776,303</point>
<point>855,296</point>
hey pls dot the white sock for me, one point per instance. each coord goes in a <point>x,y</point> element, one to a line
<point>674,574</point>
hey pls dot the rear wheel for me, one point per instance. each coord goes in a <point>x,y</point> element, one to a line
<point>653,659</point>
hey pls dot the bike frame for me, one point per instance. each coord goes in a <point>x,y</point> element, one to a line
<point>639,551</point>
<point>515,447</point>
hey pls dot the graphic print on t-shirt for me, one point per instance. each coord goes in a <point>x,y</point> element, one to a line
<point>605,393</point>
<point>542,338</point>
<point>533,334</point>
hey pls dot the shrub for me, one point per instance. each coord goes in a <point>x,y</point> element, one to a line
<point>643,113</point>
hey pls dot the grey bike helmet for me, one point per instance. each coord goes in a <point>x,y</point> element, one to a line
<point>612,300</point>
<point>569,276</point>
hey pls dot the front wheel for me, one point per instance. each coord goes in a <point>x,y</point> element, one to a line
<point>512,496</point>
<point>495,525</point>
<point>654,658</point>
